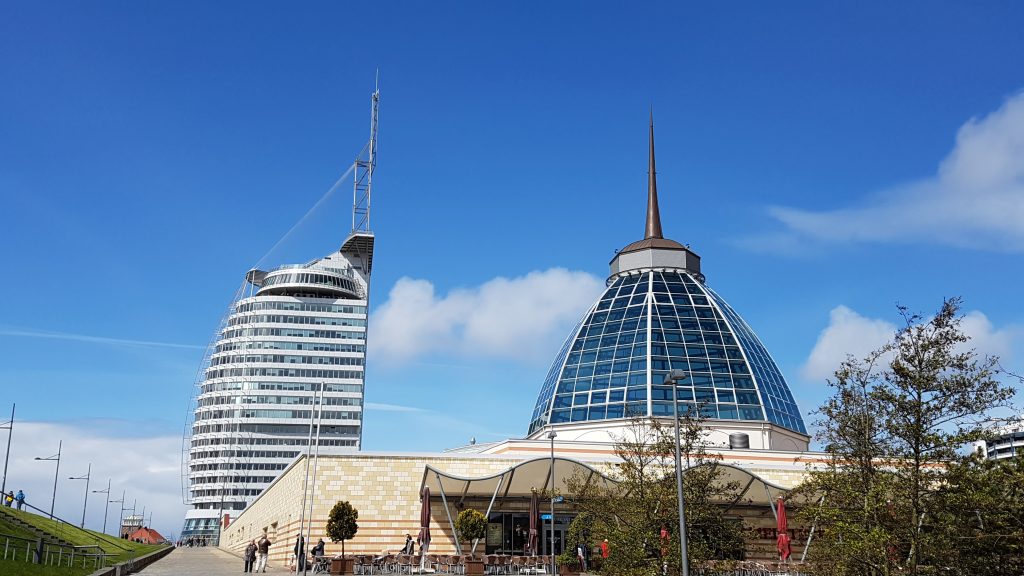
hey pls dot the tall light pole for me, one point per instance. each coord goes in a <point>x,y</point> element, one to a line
<point>56,473</point>
<point>88,474</point>
<point>552,436</point>
<point>672,379</point>
<point>9,426</point>
<point>106,507</point>
<point>120,515</point>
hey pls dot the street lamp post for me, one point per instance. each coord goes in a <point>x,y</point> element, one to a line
<point>106,507</point>
<point>56,473</point>
<point>9,426</point>
<point>672,379</point>
<point>88,474</point>
<point>552,436</point>
<point>120,515</point>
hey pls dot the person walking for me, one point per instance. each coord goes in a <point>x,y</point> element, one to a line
<point>20,499</point>
<point>250,556</point>
<point>410,546</point>
<point>262,550</point>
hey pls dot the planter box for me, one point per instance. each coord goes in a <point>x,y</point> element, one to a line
<point>342,565</point>
<point>474,567</point>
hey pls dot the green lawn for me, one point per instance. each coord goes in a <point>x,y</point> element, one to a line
<point>123,549</point>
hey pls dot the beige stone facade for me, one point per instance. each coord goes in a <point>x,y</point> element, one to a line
<point>385,488</point>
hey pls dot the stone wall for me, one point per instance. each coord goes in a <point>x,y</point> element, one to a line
<point>385,491</point>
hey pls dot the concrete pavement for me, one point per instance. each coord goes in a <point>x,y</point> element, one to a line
<point>207,561</point>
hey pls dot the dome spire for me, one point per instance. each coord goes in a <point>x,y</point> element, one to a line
<point>653,214</point>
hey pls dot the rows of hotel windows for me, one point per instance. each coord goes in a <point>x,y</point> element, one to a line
<point>605,372</point>
<point>289,386</point>
<point>259,304</point>
<point>237,466</point>
<point>290,400</point>
<point>243,454</point>
<point>276,345</point>
<point>225,492</point>
<point>293,333</point>
<point>220,480</point>
<point>248,413</point>
<point>308,278</point>
<point>263,428</point>
<point>234,441</point>
<point>287,359</point>
<point>286,372</point>
<point>286,319</point>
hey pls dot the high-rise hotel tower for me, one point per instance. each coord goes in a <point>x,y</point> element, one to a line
<point>290,331</point>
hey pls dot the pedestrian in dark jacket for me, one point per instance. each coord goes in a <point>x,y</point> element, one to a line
<point>250,556</point>
<point>300,553</point>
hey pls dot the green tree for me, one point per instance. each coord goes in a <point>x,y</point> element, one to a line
<point>632,512</point>
<point>471,525</point>
<point>341,523</point>
<point>895,426</point>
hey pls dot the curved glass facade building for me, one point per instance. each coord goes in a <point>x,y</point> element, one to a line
<point>657,315</point>
<point>301,327</point>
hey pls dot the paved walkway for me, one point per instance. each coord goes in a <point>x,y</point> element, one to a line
<point>206,561</point>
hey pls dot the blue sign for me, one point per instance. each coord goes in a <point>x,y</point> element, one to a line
<point>558,499</point>
<point>545,516</point>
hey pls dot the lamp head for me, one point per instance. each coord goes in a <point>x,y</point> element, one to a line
<point>552,435</point>
<point>675,376</point>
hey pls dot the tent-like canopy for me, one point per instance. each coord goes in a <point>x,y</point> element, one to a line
<point>521,479</point>
<point>518,480</point>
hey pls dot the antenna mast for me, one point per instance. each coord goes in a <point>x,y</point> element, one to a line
<point>363,174</point>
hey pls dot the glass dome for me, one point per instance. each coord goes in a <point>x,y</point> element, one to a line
<point>645,325</point>
<point>655,316</point>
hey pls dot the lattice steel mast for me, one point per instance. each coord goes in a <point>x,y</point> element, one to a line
<point>365,164</point>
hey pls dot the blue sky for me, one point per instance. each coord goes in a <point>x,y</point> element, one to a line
<point>826,161</point>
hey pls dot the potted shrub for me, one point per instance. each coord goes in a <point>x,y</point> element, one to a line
<point>341,526</point>
<point>471,525</point>
<point>568,563</point>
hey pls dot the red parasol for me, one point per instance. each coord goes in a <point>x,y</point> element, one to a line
<point>783,530</point>
<point>424,535</point>
<point>531,542</point>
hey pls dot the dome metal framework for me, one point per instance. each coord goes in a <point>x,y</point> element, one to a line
<point>658,315</point>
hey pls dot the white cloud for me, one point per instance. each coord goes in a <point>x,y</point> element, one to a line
<point>849,333</point>
<point>975,200</point>
<point>521,318</point>
<point>146,469</point>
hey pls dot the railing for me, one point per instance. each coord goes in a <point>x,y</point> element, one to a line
<point>40,551</point>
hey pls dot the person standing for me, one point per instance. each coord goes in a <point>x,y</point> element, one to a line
<point>604,549</point>
<point>250,556</point>
<point>410,546</point>
<point>20,499</point>
<point>262,550</point>
<point>300,553</point>
<point>9,498</point>
<point>581,554</point>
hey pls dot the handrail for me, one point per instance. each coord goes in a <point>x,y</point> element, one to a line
<point>61,522</point>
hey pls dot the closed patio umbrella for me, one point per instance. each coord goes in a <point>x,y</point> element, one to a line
<point>783,531</point>
<point>424,536</point>
<point>531,543</point>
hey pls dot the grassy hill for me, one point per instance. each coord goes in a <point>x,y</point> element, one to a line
<point>55,530</point>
